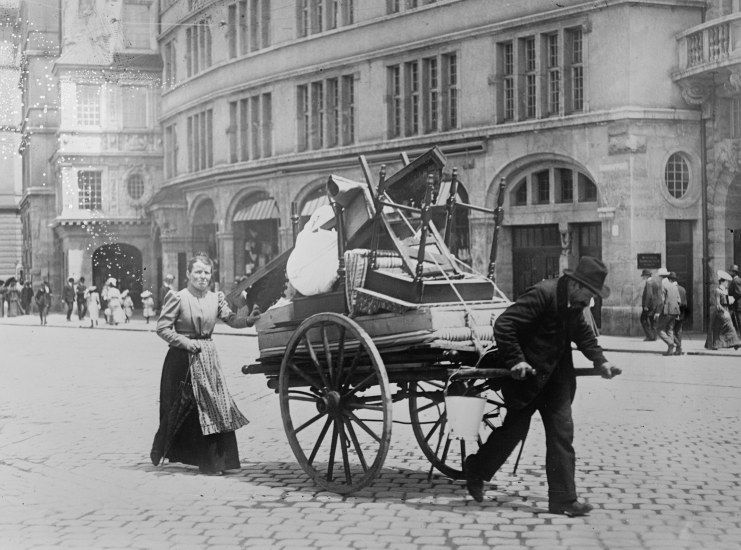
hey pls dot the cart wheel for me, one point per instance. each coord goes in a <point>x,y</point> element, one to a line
<point>335,402</point>
<point>430,425</point>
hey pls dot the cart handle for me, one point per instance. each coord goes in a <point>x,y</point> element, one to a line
<point>466,373</point>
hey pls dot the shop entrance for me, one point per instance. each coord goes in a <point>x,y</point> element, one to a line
<point>256,225</point>
<point>679,258</point>
<point>121,261</point>
<point>535,253</point>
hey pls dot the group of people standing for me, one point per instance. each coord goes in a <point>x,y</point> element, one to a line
<point>18,297</point>
<point>664,308</point>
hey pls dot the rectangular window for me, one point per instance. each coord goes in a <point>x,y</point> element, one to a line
<point>317,16</point>
<point>412,98</point>
<point>244,128</point>
<point>348,109</point>
<point>565,179</point>
<point>88,104</point>
<point>393,6</point>
<point>303,17</point>
<point>542,187</point>
<point>265,23</point>
<point>432,94</point>
<point>395,101</point>
<point>531,86</point>
<point>508,80</point>
<point>169,64</point>
<point>89,187</point>
<point>233,131</point>
<point>200,140</point>
<point>554,74</point>
<point>451,91</point>
<point>317,115</point>
<point>303,117</point>
<point>244,42</point>
<point>577,69</point>
<point>333,112</point>
<point>333,14</point>
<point>255,34</point>
<point>267,125</point>
<point>231,30</point>
<point>255,126</point>
<point>134,102</point>
<point>198,47</point>
<point>348,12</point>
<point>136,26</point>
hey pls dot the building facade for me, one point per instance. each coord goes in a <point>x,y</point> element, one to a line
<point>92,167</point>
<point>572,105</point>
<point>10,167</point>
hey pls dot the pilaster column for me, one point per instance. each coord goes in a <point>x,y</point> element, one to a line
<point>566,236</point>
<point>225,241</point>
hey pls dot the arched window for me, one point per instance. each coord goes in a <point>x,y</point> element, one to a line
<point>553,185</point>
<point>521,193</point>
<point>135,186</point>
<point>677,176</point>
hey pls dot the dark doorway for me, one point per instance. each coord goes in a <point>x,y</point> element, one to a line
<point>588,237</point>
<point>123,262</point>
<point>535,253</point>
<point>203,235</point>
<point>679,258</point>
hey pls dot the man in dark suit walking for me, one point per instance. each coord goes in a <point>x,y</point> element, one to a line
<point>68,296</point>
<point>734,290</point>
<point>647,306</point>
<point>534,338</point>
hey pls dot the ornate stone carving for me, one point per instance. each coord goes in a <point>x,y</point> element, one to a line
<point>695,92</point>
<point>565,241</point>
<point>726,156</point>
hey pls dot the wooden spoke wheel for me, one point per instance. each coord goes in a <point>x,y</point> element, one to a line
<point>430,423</point>
<point>335,402</point>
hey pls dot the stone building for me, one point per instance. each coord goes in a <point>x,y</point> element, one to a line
<point>92,152</point>
<point>573,104</point>
<point>10,168</point>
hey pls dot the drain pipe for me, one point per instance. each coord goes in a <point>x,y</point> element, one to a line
<point>705,226</point>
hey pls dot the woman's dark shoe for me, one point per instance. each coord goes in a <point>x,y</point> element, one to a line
<point>572,509</point>
<point>155,457</point>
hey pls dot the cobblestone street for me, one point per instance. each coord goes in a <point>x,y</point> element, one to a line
<point>658,454</point>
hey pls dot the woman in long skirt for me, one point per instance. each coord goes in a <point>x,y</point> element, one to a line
<point>92,300</point>
<point>721,332</point>
<point>205,436</point>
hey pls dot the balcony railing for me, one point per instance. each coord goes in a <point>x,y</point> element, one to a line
<point>712,43</point>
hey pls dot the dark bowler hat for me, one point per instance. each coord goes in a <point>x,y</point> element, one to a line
<point>590,273</point>
<point>646,273</point>
<point>733,269</point>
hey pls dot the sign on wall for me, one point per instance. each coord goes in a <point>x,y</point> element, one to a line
<point>649,261</point>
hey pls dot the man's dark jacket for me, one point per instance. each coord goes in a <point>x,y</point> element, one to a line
<point>68,293</point>
<point>538,329</point>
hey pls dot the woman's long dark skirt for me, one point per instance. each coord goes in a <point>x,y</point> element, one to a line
<point>211,453</point>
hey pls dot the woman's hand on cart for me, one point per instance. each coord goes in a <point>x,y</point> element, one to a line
<point>254,315</point>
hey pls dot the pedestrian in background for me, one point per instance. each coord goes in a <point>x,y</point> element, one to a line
<point>668,313</point>
<point>43,301</point>
<point>206,435</point>
<point>115,304</point>
<point>128,305</point>
<point>26,297</point>
<point>92,303</point>
<point>734,291</point>
<point>533,338</point>
<point>147,305</point>
<point>647,306</point>
<point>68,296</point>
<point>80,295</point>
<point>13,296</point>
<point>683,312</point>
<point>2,298</point>
<point>721,332</point>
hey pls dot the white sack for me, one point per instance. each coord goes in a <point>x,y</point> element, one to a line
<point>312,266</point>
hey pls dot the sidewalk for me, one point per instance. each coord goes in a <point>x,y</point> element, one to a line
<point>693,342</point>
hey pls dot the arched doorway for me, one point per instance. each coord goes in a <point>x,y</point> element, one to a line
<point>256,223</point>
<point>121,261</point>
<point>203,234</point>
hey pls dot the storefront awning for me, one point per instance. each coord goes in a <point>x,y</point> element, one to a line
<point>261,210</point>
<point>312,205</point>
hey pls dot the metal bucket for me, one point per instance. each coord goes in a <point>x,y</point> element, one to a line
<point>464,416</point>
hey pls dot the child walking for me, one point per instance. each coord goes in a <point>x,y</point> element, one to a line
<point>128,305</point>
<point>147,305</point>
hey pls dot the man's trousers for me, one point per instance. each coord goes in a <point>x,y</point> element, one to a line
<point>554,405</point>
<point>70,306</point>
<point>647,322</point>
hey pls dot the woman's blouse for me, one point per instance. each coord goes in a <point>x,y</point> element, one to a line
<point>185,316</point>
<point>719,298</point>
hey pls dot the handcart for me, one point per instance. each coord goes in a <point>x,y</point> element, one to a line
<point>406,320</point>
